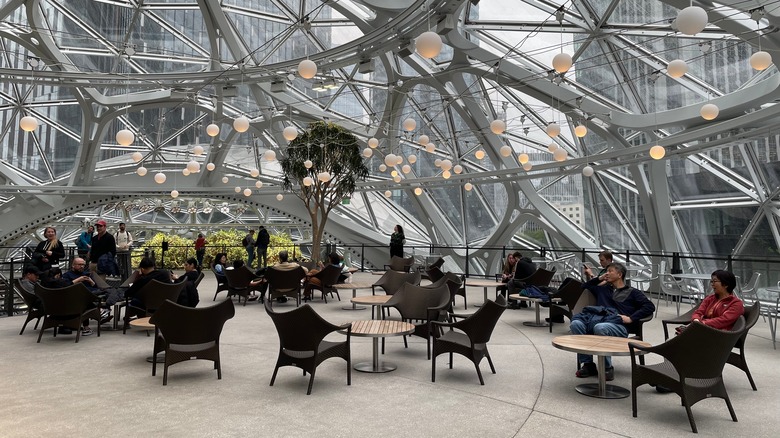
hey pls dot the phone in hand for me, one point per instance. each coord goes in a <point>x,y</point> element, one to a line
<point>588,265</point>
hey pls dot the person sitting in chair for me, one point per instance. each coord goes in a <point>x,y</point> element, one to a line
<point>311,278</point>
<point>617,307</point>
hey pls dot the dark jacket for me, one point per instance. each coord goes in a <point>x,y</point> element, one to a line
<point>39,255</point>
<point>162,276</point>
<point>626,300</point>
<point>102,245</point>
<point>263,238</point>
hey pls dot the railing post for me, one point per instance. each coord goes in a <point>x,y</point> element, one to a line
<point>362,257</point>
<point>675,263</point>
<point>9,293</point>
<point>729,263</point>
<point>542,252</point>
<point>466,271</point>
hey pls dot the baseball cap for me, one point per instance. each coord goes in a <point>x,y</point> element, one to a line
<point>101,222</point>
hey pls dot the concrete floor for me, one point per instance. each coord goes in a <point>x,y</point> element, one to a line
<point>103,387</point>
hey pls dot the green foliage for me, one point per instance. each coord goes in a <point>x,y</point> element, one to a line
<point>229,241</point>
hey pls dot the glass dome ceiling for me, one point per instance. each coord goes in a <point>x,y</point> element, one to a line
<point>165,70</point>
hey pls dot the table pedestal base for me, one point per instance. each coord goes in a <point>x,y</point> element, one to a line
<point>610,391</point>
<point>353,307</point>
<point>535,324</point>
<point>369,367</point>
<point>160,358</point>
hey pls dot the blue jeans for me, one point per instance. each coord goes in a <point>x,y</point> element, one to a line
<point>250,255</point>
<point>600,329</point>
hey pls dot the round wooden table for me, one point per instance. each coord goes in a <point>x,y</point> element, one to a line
<point>601,346</point>
<point>485,284</point>
<point>355,285</point>
<point>376,329</point>
<point>143,323</point>
<point>374,301</point>
<point>537,302</point>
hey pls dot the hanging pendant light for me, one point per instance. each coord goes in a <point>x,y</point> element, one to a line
<point>709,111</point>
<point>677,68</point>
<point>692,20</point>
<point>160,178</point>
<point>468,186</point>
<point>254,173</point>
<point>761,60</point>
<point>581,131</point>
<point>428,44</point>
<point>657,152</point>
<point>373,143</point>
<point>141,171</point>
<point>28,123</point>
<point>193,166</point>
<point>498,126</point>
<point>212,130</point>
<point>241,124</point>
<point>587,171</point>
<point>137,156</point>
<point>307,69</point>
<point>553,129</point>
<point>259,184</point>
<point>174,193</point>
<point>125,137</point>
<point>290,133</point>
<point>562,62</point>
<point>409,124</point>
<point>423,140</point>
<point>211,166</point>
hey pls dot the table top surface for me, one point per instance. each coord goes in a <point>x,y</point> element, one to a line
<point>593,344</point>
<point>479,282</point>
<point>693,276</point>
<point>524,298</point>
<point>354,285</point>
<point>381,328</point>
<point>142,323</point>
<point>373,300</point>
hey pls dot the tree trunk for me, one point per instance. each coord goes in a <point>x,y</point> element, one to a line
<point>317,230</point>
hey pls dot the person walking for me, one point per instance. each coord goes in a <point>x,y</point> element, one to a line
<point>263,240</point>
<point>200,249</point>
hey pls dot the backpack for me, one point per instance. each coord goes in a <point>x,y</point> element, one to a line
<point>244,241</point>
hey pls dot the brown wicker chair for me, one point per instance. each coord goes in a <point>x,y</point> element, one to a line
<point>284,283</point>
<point>568,294</point>
<point>306,348</point>
<point>186,333</point>
<point>434,274</point>
<point>471,339</point>
<point>67,307</point>
<point>221,283</point>
<point>736,358</point>
<point>33,303</point>
<point>400,264</point>
<point>238,283</point>
<point>328,276</point>
<point>420,305</point>
<point>151,296</point>
<point>692,367</point>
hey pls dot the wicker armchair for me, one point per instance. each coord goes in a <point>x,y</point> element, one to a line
<point>66,307</point>
<point>420,305</point>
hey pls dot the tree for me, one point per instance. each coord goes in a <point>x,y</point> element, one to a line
<point>335,165</point>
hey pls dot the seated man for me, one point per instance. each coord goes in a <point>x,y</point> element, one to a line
<point>78,273</point>
<point>146,272</point>
<point>30,276</point>
<point>617,306</point>
<point>284,265</point>
<point>312,279</point>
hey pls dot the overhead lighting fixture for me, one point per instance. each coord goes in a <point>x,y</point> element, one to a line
<point>330,83</point>
<point>207,207</point>
<point>278,86</point>
<point>366,66</point>
<point>319,86</point>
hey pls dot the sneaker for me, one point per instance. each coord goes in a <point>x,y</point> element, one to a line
<point>106,319</point>
<point>588,369</point>
<point>610,374</point>
<point>86,331</point>
<point>105,313</point>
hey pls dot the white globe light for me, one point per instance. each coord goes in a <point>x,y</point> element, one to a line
<point>505,151</point>
<point>446,164</point>
<point>457,169</point>
<point>211,166</point>
<point>141,171</point>
<point>397,178</point>
<point>259,184</point>
<point>428,45</point>
<point>269,155</point>
<point>406,169</point>
<point>307,69</point>
<point>692,20</point>
<point>709,111</point>
<point>241,124</point>
<point>760,60</point>
<point>279,197</point>
<point>430,147</point>
<point>394,173</point>
<point>193,166</point>
<point>307,164</point>
<point>185,172</point>
<point>254,173</point>
<point>373,143</point>
<point>237,189</point>
<point>553,129</point>
<point>399,159</point>
<point>587,171</point>
<point>247,192</point>
<point>174,193</point>
<point>367,152</point>
<point>657,152</point>
<point>562,62</point>
<point>527,166</point>
<point>125,137</point>
<point>290,133</point>
<point>418,191</point>
<point>308,181</point>
<point>522,158</point>
<point>160,178</point>
<point>409,124</point>
<point>412,159</point>
<point>197,150</point>
<point>323,176</point>
<point>560,154</point>
<point>437,162</point>
<point>424,140</point>
<point>137,156</point>
<point>581,131</point>
<point>446,174</point>
<point>480,154</point>
<point>382,168</point>
<point>390,160</point>
<point>28,123</point>
<point>498,126</point>
<point>677,68</point>
<point>552,147</point>
<point>468,186</point>
<point>212,130</point>
<point>388,193</point>
<point>225,180</point>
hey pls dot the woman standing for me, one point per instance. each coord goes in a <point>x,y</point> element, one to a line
<point>48,252</point>
<point>397,242</point>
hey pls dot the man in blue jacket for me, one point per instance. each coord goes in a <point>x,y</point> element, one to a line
<point>618,302</point>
